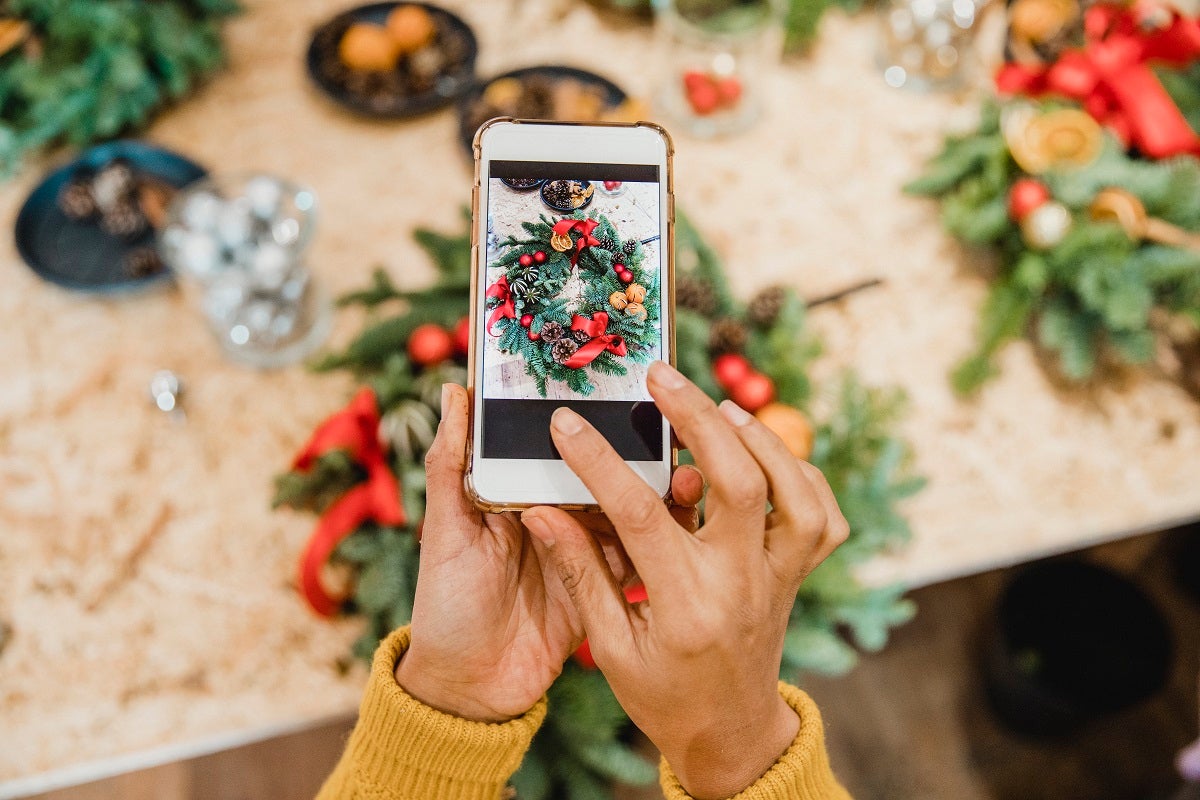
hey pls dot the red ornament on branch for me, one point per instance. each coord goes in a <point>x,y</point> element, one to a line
<point>539,257</point>
<point>430,344</point>
<point>730,369</point>
<point>753,391</point>
<point>1025,196</point>
<point>526,320</point>
<point>462,336</point>
<point>525,260</point>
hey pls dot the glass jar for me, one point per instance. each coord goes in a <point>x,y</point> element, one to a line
<point>718,54</point>
<point>928,44</point>
<point>239,242</point>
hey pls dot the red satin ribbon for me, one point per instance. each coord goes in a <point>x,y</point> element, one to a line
<point>594,327</point>
<point>354,428</point>
<point>585,240</point>
<point>506,309</point>
<point>1111,76</point>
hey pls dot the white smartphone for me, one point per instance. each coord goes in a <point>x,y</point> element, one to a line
<point>572,290</point>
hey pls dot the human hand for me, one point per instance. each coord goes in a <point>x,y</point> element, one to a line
<point>697,666</point>
<point>492,624</point>
<point>1188,762</point>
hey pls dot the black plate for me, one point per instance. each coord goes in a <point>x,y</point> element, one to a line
<point>449,86</point>
<point>560,209</point>
<point>613,95</point>
<point>510,183</point>
<point>78,255</point>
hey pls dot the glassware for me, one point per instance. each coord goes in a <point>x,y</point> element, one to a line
<point>240,242</point>
<point>928,44</point>
<point>718,55</point>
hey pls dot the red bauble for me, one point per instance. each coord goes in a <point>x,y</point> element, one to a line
<point>701,92</point>
<point>612,186</point>
<point>626,277</point>
<point>730,369</point>
<point>430,344</point>
<point>618,267</point>
<point>730,91</point>
<point>462,336</point>
<point>539,257</point>
<point>583,656</point>
<point>1026,196</point>
<point>525,260</point>
<point>534,336</point>
<point>753,391</point>
<point>526,320</point>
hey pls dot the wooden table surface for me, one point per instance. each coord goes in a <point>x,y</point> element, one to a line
<point>147,583</point>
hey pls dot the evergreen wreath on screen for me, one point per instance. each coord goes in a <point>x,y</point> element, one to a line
<point>575,300</point>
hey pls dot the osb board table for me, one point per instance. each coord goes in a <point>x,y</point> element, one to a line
<point>147,583</point>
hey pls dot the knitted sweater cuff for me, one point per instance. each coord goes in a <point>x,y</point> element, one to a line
<point>801,773</point>
<point>407,749</point>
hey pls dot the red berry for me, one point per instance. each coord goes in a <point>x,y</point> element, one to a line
<point>753,391</point>
<point>430,344</point>
<point>462,336</point>
<point>539,257</point>
<point>618,267</point>
<point>534,336</point>
<point>612,185</point>
<point>525,260</point>
<point>1025,196</point>
<point>730,91</point>
<point>626,277</point>
<point>730,369</point>
<point>703,96</point>
<point>526,320</point>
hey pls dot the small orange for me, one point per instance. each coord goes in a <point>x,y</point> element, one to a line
<point>411,27</point>
<point>367,48</point>
<point>790,425</point>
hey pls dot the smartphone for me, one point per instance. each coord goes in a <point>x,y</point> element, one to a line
<point>572,300</point>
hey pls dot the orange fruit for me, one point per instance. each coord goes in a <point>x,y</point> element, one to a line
<point>411,27</point>
<point>367,48</point>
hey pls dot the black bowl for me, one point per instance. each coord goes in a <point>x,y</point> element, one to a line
<point>567,209</point>
<point>322,53</point>
<point>516,186</point>
<point>79,255</point>
<point>467,122</point>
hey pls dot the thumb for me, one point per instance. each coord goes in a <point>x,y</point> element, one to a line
<point>447,504</point>
<point>1188,762</point>
<point>581,566</point>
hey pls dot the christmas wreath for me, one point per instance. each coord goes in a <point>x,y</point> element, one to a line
<point>612,317</point>
<point>82,71</point>
<point>1085,182</point>
<point>362,473</point>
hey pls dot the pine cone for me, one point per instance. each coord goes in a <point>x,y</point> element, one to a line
<point>765,306</point>
<point>113,183</point>
<point>142,262</point>
<point>552,331</point>
<point>563,349</point>
<point>727,336</point>
<point>124,219</point>
<point>581,337</point>
<point>76,200</point>
<point>630,247</point>
<point>608,243</point>
<point>696,295</point>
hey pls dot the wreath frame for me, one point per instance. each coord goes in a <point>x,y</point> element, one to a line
<point>535,290</point>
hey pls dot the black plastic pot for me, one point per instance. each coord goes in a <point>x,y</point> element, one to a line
<point>1071,641</point>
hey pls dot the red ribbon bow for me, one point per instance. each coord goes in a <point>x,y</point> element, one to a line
<point>356,429</point>
<point>1111,76</point>
<point>506,309</point>
<point>601,341</point>
<point>585,240</point>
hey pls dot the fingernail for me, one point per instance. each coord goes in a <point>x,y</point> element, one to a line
<point>445,399</point>
<point>538,527</point>
<point>735,413</point>
<point>666,375</point>
<point>566,421</point>
<point>1189,762</point>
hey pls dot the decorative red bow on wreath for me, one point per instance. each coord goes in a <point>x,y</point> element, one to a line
<point>356,429</point>
<point>601,341</point>
<point>506,309</point>
<point>585,240</point>
<point>1111,76</point>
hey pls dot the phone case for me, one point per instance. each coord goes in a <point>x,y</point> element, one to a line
<point>495,507</point>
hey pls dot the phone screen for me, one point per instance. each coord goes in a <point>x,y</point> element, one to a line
<point>573,316</point>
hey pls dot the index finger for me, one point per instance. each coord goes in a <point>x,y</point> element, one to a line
<point>638,514</point>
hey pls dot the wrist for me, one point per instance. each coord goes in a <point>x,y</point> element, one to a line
<point>456,698</point>
<point>728,757</point>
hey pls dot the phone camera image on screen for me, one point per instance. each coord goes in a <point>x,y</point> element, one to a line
<point>573,274</point>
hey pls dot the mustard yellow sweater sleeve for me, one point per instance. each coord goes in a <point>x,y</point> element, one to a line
<point>402,749</point>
